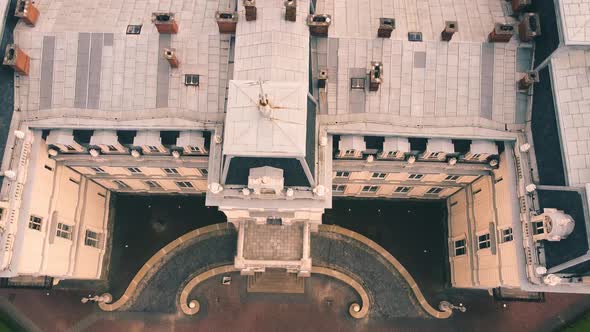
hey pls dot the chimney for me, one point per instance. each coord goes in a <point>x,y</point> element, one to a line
<point>520,5</point>
<point>529,27</point>
<point>170,55</point>
<point>450,28</point>
<point>528,80</point>
<point>291,10</point>
<point>17,59</point>
<point>386,26</point>
<point>375,76</point>
<point>502,33</point>
<point>165,23</point>
<point>27,12</point>
<point>226,21</point>
<point>250,6</point>
<point>319,24</point>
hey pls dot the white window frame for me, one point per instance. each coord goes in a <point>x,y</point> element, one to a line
<point>484,239</point>
<point>195,149</point>
<point>338,188</point>
<point>462,246</point>
<point>184,184</point>
<point>152,148</point>
<point>342,174</point>
<point>402,190</point>
<point>538,230</point>
<point>92,239</point>
<point>121,184</point>
<point>507,234</point>
<point>452,178</point>
<point>171,171</point>
<point>370,189</point>
<point>152,184</point>
<point>64,231</point>
<point>98,170</point>
<point>378,176</point>
<point>415,176</point>
<point>35,223</point>
<point>435,190</point>
<point>349,153</point>
<point>134,170</point>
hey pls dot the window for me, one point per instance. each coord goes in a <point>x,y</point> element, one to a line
<point>49,168</point>
<point>191,79</point>
<point>392,154</point>
<point>1,213</point>
<point>498,180</point>
<point>452,178</point>
<point>434,155</point>
<point>153,148</point>
<point>507,235</point>
<point>402,190</point>
<point>415,36</point>
<point>357,83</point>
<point>98,170</point>
<point>134,29</point>
<point>121,184</point>
<point>460,248</point>
<point>204,171</point>
<point>342,174</point>
<point>476,156</point>
<point>92,239</point>
<point>378,175</point>
<point>483,241</point>
<point>338,188</point>
<point>435,190</point>
<point>134,170</point>
<point>170,171</point>
<point>476,192</point>
<point>538,228</point>
<point>195,149</point>
<point>153,184</point>
<point>69,147</point>
<point>35,223</point>
<point>64,231</point>
<point>184,184</point>
<point>415,176</point>
<point>74,181</point>
<point>370,189</point>
<point>112,148</point>
<point>349,153</point>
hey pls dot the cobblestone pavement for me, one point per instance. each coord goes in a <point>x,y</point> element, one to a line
<point>390,295</point>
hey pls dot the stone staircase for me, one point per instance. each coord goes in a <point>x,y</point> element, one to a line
<point>276,281</point>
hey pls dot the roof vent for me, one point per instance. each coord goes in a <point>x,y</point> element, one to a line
<point>529,27</point>
<point>27,12</point>
<point>502,33</point>
<point>226,21</point>
<point>319,24</point>
<point>291,10</point>
<point>165,23</point>
<point>386,26</point>
<point>450,28</point>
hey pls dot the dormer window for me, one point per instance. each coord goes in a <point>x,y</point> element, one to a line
<point>349,153</point>
<point>195,149</point>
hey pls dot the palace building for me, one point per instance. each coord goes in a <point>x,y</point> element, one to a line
<point>274,112</point>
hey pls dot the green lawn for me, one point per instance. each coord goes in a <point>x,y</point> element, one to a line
<point>580,325</point>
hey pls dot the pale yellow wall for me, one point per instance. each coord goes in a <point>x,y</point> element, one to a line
<point>31,253</point>
<point>461,270</point>
<point>88,260</point>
